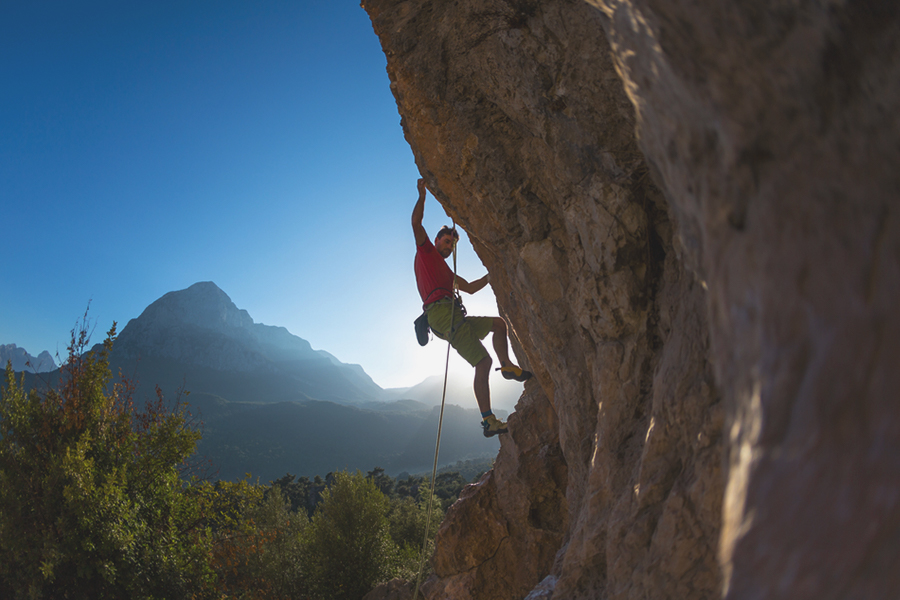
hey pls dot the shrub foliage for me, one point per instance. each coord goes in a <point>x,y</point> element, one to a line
<point>95,502</point>
<point>90,494</point>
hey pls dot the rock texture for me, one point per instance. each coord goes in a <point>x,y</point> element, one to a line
<point>774,127</point>
<point>504,532</point>
<point>688,210</point>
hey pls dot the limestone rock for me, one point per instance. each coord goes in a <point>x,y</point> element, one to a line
<point>774,129</point>
<point>689,213</point>
<point>522,129</point>
<point>505,530</point>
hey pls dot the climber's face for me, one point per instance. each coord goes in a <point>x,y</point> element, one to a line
<point>444,244</point>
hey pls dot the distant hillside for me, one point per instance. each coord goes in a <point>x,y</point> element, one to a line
<point>23,361</point>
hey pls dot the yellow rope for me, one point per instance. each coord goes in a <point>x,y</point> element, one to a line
<point>437,444</point>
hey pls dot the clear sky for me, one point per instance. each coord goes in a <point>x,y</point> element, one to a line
<point>149,145</point>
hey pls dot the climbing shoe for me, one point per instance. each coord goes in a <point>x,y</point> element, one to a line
<point>492,426</point>
<point>514,372</point>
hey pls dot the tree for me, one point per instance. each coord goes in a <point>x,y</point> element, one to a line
<point>256,548</point>
<point>410,486</point>
<point>91,503</point>
<point>406,525</point>
<point>280,565</point>
<point>384,482</point>
<point>447,487</point>
<point>299,494</point>
<point>348,548</point>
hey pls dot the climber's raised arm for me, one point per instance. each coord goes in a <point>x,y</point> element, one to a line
<point>417,215</point>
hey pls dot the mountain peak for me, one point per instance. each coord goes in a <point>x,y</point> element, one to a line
<point>203,304</point>
<point>200,327</point>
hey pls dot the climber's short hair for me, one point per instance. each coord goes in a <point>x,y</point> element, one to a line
<point>447,231</point>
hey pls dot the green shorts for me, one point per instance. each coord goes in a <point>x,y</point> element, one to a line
<point>467,337</point>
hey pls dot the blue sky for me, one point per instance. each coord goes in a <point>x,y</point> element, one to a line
<point>145,146</point>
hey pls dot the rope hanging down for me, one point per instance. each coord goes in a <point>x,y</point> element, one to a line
<point>437,445</point>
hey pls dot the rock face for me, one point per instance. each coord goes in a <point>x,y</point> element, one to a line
<point>505,531</point>
<point>689,214</point>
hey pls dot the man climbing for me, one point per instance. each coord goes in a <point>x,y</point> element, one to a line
<point>435,281</point>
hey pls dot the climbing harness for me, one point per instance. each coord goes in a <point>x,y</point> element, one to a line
<point>437,444</point>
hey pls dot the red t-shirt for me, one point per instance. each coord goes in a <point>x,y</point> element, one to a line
<point>433,276</point>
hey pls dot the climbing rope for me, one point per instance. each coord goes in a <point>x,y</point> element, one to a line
<point>437,445</point>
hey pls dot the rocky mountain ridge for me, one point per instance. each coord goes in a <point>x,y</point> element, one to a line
<point>21,360</point>
<point>199,330</point>
<point>688,211</point>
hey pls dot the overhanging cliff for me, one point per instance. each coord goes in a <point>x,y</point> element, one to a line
<point>688,210</point>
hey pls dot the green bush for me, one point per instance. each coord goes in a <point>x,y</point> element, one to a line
<point>257,542</point>
<point>93,505</point>
<point>348,548</point>
<point>406,524</point>
<point>281,566</point>
<point>90,497</point>
<point>447,487</point>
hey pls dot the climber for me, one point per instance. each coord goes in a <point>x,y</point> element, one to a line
<point>435,281</point>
